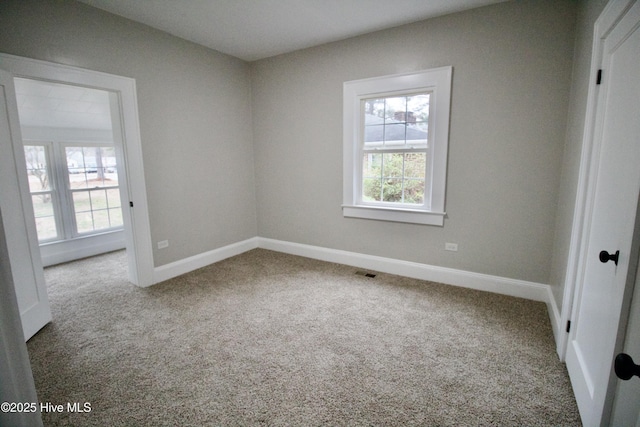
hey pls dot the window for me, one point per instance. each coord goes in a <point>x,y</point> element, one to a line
<point>396,131</point>
<point>74,189</point>
<point>43,196</point>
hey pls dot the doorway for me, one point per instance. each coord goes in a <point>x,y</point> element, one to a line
<point>122,97</point>
<point>73,168</point>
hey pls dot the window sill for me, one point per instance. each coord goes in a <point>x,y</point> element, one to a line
<point>394,215</point>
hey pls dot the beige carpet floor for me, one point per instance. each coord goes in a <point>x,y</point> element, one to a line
<point>265,338</point>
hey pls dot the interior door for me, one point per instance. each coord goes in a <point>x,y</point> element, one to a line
<point>22,242</point>
<point>609,227</point>
<point>626,408</point>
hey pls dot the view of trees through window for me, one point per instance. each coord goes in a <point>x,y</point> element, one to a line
<point>394,177</point>
<point>394,151</point>
<point>74,189</point>
<point>42,195</point>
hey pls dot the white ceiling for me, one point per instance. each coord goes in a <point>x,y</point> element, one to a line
<point>53,105</point>
<point>256,29</point>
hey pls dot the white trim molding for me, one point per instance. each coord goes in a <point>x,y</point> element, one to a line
<point>557,325</point>
<point>437,83</point>
<point>183,266</point>
<point>82,247</point>
<point>123,94</point>
<point>394,215</point>
<point>449,276</point>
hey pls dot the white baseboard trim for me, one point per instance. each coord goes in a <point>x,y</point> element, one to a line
<point>83,247</point>
<point>174,269</point>
<point>559,334</point>
<point>466,279</point>
<point>484,282</point>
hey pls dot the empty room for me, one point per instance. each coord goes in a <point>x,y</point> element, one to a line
<point>299,212</point>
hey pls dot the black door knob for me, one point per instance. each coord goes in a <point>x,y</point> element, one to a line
<point>606,257</point>
<point>625,368</point>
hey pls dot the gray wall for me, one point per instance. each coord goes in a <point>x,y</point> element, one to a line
<point>588,13</point>
<point>512,69</point>
<point>195,115</point>
<point>510,194</point>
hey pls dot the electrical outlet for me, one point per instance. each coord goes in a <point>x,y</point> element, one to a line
<point>453,247</point>
<point>163,244</point>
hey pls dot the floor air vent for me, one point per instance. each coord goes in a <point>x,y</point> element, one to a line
<point>365,274</point>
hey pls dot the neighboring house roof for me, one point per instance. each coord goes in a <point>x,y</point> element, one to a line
<point>377,129</point>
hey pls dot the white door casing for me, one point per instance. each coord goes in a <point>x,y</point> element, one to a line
<point>123,90</point>
<point>612,196</point>
<point>19,225</point>
<point>14,186</point>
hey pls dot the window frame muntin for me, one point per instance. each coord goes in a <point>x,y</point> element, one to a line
<point>62,194</point>
<point>70,205</point>
<point>361,150</point>
<point>54,189</point>
<point>439,82</point>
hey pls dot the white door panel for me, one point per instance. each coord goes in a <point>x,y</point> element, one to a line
<point>22,243</point>
<point>626,409</point>
<point>614,189</point>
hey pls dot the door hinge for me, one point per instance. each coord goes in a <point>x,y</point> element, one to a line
<point>568,325</point>
<point>131,204</point>
<point>599,78</point>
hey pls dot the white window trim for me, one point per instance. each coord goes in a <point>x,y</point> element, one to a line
<point>437,81</point>
<point>62,194</point>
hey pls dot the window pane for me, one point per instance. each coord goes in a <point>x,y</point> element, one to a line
<point>113,197</point>
<point>42,205</point>
<point>392,171</point>
<point>46,228</point>
<point>395,133</point>
<point>372,165</point>
<point>374,134</point>
<point>371,190</point>
<point>101,219</point>
<point>415,165</point>
<point>392,165</point>
<point>414,191</point>
<point>372,177</point>
<point>373,111</point>
<point>104,219</point>
<point>392,190</point>
<point>106,166</point>
<point>395,109</point>
<point>394,177</point>
<point>45,220</point>
<point>97,209</point>
<point>37,168</point>
<point>91,167</point>
<point>402,122</point>
<point>396,120</point>
<point>81,201</point>
<point>84,222</point>
<point>115,217</point>
<point>418,108</point>
<point>98,199</point>
<point>76,166</point>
